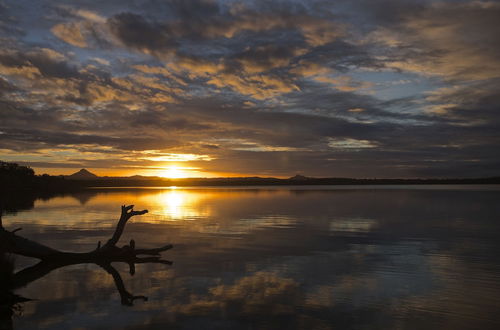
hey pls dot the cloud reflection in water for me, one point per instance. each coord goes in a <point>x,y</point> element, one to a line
<point>264,258</point>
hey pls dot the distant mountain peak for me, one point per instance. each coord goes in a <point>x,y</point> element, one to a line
<point>83,174</point>
<point>299,177</point>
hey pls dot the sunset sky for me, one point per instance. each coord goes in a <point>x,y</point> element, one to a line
<point>200,88</point>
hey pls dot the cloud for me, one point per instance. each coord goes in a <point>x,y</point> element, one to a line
<point>470,104</point>
<point>452,40</point>
<point>42,62</point>
<point>250,295</point>
<point>266,57</point>
<point>348,143</point>
<point>100,61</point>
<point>136,32</point>
<point>72,33</point>
<point>82,28</point>
<point>258,87</point>
<point>344,83</point>
<point>210,20</point>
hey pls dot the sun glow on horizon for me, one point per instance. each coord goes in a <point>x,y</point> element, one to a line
<point>174,172</point>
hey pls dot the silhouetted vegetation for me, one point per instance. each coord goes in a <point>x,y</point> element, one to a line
<point>138,181</point>
<point>20,187</point>
<point>14,177</point>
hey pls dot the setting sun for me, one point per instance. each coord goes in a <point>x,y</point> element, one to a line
<point>173,172</point>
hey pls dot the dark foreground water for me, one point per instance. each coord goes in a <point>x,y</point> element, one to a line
<point>275,258</point>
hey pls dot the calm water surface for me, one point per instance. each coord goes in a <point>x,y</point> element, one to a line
<point>275,258</point>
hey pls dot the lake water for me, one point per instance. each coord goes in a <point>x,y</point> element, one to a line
<point>400,257</point>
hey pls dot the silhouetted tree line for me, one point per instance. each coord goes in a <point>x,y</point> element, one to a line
<point>19,187</point>
<point>17,177</point>
<point>13,175</point>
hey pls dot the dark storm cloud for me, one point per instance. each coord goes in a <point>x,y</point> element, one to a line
<point>261,87</point>
<point>263,58</point>
<point>201,20</point>
<point>134,31</point>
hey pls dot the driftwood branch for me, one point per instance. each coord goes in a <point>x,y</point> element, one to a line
<point>51,259</point>
<point>127,213</point>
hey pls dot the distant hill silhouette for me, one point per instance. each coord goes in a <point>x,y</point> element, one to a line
<point>14,177</point>
<point>82,174</point>
<point>299,177</point>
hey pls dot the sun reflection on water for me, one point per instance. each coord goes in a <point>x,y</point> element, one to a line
<point>178,204</point>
